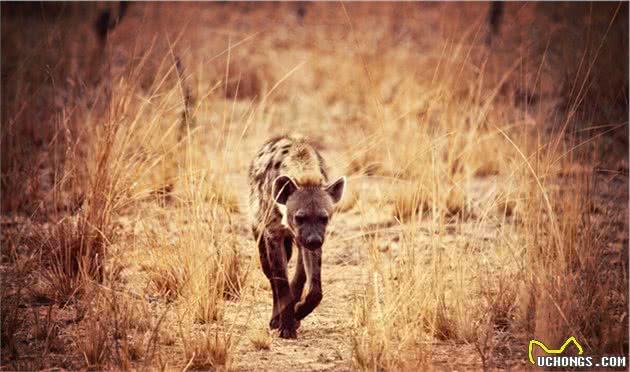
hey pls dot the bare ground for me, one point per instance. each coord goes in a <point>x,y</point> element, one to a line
<point>324,342</point>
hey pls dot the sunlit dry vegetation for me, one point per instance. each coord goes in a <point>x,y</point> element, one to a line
<point>486,202</point>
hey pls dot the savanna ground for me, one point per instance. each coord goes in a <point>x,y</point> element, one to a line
<point>487,201</point>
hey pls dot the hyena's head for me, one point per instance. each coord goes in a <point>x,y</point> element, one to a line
<point>306,210</point>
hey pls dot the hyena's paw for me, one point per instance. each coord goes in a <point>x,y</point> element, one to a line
<point>288,328</point>
<point>288,332</point>
<point>274,323</point>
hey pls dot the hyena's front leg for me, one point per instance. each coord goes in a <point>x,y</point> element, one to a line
<point>284,299</point>
<point>297,283</point>
<point>274,323</point>
<point>313,266</point>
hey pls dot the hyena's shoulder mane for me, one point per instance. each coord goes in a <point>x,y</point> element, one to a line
<point>304,164</point>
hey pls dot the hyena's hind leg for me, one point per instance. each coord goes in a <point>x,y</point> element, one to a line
<point>313,267</point>
<point>274,323</point>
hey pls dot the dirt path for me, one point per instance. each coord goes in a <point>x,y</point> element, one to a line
<point>324,339</point>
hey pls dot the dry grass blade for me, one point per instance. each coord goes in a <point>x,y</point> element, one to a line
<point>486,204</point>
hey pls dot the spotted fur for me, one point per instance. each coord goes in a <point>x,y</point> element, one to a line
<point>291,203</point>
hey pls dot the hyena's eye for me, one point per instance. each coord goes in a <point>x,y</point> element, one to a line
<point>299,220</point>
<point>323,219</point>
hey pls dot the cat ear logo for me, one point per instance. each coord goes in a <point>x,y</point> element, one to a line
<point>553,351</point>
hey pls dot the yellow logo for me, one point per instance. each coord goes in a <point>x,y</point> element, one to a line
<point>553,351</point>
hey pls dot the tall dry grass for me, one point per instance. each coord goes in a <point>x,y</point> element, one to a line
<point>570,265</point>
<point>545,276</point>
<point>136,155</point>
<point>135,160</point>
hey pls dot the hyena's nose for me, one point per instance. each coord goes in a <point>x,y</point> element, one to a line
<point>313,241</point>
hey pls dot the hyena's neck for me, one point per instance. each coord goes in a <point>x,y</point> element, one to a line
<point>304,164</point>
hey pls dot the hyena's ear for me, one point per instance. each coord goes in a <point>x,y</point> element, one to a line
<point>335,190</point>
<point>283,187</point>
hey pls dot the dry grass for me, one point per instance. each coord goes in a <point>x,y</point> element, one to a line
<point>202,266</point>
<point>47,330</point>
<point>411,202</point>
<point>463,296</point>
<point>436,293</point>
<point>207,350</point>
<point>477,216</point>
<point>260,337</point>
<point>12,322</point>
<point>96,345</point>
<point>566,273</point>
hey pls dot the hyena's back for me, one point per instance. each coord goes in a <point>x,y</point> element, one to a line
<point>291,156</point>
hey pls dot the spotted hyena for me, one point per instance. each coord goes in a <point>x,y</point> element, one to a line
<point>292,203</point>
